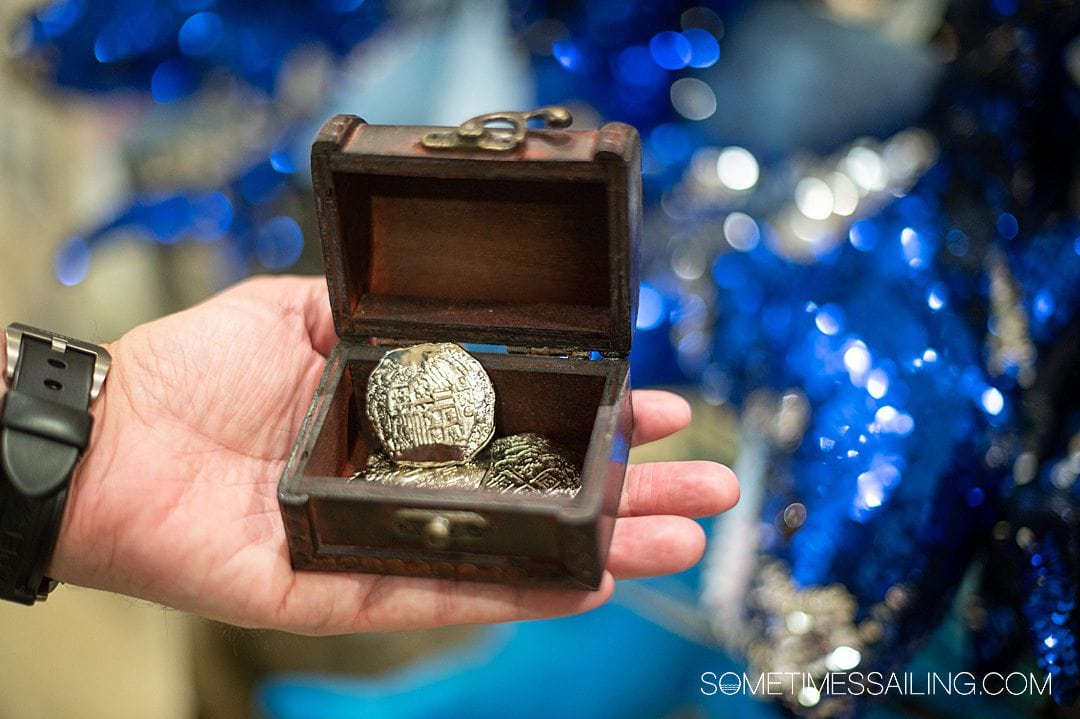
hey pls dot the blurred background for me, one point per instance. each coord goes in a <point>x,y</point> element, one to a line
<point>861,265</point>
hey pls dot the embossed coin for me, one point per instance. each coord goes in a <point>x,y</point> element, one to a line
<point>467,475</point>
<point>529,463</point>
<point>431,405</point>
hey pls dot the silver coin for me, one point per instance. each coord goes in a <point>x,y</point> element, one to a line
<point>380,468</point>
<point>529,463</point>
<point>431,405</point>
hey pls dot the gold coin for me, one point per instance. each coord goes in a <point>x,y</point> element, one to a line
<point>431,405</point>
<point>529,463</point>
<point>467,475</point>
<point>518,464</point>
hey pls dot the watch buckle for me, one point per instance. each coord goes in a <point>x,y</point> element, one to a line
<point>16,331</point>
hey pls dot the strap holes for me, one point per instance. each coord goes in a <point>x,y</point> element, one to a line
<point>53,384</point>
<point>57,363</point>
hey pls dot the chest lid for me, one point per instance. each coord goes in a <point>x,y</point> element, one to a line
<point>481,234</point>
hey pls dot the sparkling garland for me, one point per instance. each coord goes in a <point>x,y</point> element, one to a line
<point>914,420</point>
<point>171,48</point>
<point>880,494</point>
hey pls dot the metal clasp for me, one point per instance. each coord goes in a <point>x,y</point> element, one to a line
<point>15,333</point>
<point>439,529</point>
<point>480,134</point>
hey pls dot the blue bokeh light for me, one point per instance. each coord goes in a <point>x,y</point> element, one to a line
<point>1007,226</point>
<point>975,497</point>
<point>650,308</point>
<point>574,56</point>
<point>57,17</point>
<point>1043,306</point>
<point>201,34</point>
<point>863,235</point>
<point>670,50</point>
<point>704,49</point>
<point>279,242</point>
<point>212,216</point>
<point>171,81</point>
<point>169,218</point>
<point>72,261</point>
<point>282,161</point>
<point>141,32</point>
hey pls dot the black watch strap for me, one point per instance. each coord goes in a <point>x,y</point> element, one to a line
<point>44,428</point>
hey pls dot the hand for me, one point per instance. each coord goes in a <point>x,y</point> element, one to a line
<point>176,498</point>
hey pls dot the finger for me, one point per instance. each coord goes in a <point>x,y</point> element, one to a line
<point>658,414</point>
<point>690,489</point>
<point>320,321</point>
<point>651,546</point>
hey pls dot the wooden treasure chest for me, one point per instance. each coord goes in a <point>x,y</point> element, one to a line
<point>521,246</point>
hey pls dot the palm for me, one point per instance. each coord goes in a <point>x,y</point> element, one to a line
<point>180,503</point>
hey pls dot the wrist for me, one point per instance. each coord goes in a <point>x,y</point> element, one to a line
<point>81,555</point>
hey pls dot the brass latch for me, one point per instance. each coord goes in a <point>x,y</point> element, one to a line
<point>482,133</point>
<point>439,529</point>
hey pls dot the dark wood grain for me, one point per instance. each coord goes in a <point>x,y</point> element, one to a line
<point>542,239</point>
